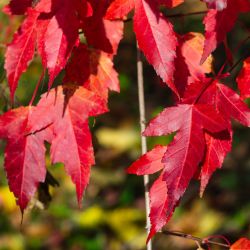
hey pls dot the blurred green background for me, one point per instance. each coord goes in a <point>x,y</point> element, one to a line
<point>112,216</point>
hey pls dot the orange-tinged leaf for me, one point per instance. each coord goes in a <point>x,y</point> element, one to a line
<point>241,244</point>
<point>244,79</point>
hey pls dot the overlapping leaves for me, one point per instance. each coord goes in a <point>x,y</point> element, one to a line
<point>201,118</point>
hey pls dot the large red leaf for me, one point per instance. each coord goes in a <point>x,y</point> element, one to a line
<point>119,9</point>
<point>69,110</point>
<point>219,23</point>
<point>241,244</point>
<point>57,37</point>
<point>24,154</point>
<point>184,154</point>
<point>157,39</point>
<point>21,50</point>
<point>229,105</point>
<point>244,79</point>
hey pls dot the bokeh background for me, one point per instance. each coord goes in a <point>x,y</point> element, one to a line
<point>112,216</point>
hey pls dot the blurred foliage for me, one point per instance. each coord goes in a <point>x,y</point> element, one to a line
<point>112,216</point>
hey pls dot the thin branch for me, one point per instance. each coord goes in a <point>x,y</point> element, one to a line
<point>237,63</point>
<point>204,12</point>
<point>143,138</point>
<point>196,239</point>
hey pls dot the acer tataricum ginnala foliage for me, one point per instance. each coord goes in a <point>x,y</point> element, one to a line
<point>200,117</point>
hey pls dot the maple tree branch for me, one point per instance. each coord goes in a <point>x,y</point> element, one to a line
<point>140,82</point>
<point>237,63</point>
<point>197,239</point>
<point>169,16</point>
<point>187,14</point>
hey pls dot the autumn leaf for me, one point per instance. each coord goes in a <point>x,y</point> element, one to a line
<point>21,51</point>
<point>71,144</point>
<point>219,23</point>
<point>119,9</point>
<point>24,153</point>
<point>101,33</point>
<point>241,244</point>
<point>57,37</point>
<point>153,33</point>
<point>93,69</point>
<point>184,154</point>
<point>243,79</point>
<point>187,61</point>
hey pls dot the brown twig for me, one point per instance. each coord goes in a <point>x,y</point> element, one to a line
<point>140,82</point>
<point>196,239</point>
<point>187,14</point>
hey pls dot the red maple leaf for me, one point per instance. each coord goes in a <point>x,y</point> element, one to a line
<point>241,244</point>
<point>21,50</point>
<point>153,33</point>
<point>150,163</point>
<point>184,154</point>
<point>57,36</point>
<point>229,105</point>
<point>24,153</point>
<point>243,79</point>
<point>219,23</point>
<point>71,144</point>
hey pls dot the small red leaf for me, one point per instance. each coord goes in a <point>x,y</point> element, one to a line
<point>244,79</point>
<point>241,244</point>
<point>148,163</point>
<point>217,148</point>
<point>159,205</point>
<point>119,9</point>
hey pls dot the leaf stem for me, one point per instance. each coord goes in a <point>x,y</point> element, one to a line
<point>140,82</point>
<point>197,239</point>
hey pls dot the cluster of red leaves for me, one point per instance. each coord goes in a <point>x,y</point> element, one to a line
<point>53,28</point>
<point>201,117</point>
